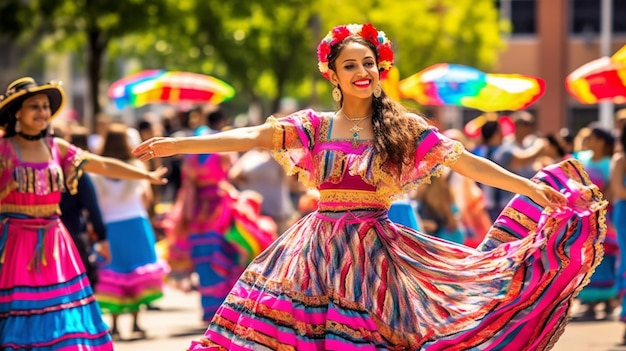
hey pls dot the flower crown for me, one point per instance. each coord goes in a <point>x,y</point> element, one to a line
<point>367,32</point>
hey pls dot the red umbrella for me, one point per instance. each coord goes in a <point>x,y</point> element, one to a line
<point>603,79</point>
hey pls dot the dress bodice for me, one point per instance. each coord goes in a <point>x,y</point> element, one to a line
<point>354,177</point>
<point>205,169</point>
<point>34,189</point>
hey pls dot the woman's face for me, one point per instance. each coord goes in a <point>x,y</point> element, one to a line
<point>356,71</point>
<point>34,115</point>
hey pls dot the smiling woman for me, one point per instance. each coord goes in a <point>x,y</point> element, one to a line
<point>347,278</point>
<point>46,301</point>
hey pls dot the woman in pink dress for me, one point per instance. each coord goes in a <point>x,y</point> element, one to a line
<point>210,215</point>
<point>46,301</point>
<point>346,278</point>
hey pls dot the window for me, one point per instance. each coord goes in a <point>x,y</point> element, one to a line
<point>586,15</point>
<point>521,14</point>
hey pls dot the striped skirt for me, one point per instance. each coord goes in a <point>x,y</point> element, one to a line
<point>354,281</point>
<point>134,277</point>
<point>46,302</point>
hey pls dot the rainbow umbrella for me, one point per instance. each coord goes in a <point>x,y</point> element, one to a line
<point>602,79</point>
<point>459,85</point>
<point>171,87</point>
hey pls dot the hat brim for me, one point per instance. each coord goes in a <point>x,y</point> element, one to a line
<point>55,94</point>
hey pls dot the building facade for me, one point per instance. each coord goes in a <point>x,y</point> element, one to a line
<point>550,39</point>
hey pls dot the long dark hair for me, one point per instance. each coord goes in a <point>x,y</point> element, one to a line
<point>394,132</point>
<point>606,137</point>
<point>116,144</point>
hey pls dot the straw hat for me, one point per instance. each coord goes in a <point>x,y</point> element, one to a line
<point>23,88</point>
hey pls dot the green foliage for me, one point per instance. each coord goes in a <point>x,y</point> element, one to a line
<point>428,31</point>
<point>264,48</point>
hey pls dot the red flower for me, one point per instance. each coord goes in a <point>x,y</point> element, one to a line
<point>339,34</point>
<point>385,53</point>
<point>370,33</point>
<point>323,50</point>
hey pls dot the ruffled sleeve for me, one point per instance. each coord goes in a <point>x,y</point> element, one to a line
<point>434,152</point>
<point>293,142</point>
<point>72,164</point>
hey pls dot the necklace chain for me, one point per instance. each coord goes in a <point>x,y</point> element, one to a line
<point>355,128</point>
<point>356,120</point>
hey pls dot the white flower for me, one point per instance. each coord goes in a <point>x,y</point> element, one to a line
<point>354,28</point>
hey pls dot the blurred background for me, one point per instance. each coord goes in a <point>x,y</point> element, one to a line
<point>266,48</point>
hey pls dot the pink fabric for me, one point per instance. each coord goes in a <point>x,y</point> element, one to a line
<point>420,293</point>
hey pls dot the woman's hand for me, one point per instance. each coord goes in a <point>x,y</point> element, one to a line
<point>155,147</point>
<point>546,196</point>
<point>156,177</point>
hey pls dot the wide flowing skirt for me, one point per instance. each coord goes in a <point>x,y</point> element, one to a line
<point>46,301</point>
<point>134,277</point>
<point>356,281</point>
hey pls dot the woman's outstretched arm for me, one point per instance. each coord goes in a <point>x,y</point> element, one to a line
<point>489,173</point>
<point>114,168</point>
<point>239,139</point>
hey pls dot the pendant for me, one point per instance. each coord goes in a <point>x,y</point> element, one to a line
<point>355,135</point>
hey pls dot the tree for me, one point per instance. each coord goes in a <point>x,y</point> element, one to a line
<point>264,48</point>
<point>263,45</point>
<point>427,32</point>
<point>89,24</point>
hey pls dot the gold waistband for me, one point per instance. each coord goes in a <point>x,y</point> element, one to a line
<point>339,200</point>
<point>31,210</point>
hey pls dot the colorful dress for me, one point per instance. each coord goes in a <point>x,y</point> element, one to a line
<point>46,301</point>
<point>346,278</point>
<point>134,276</point>
<point>603,285</point>
<point>220,227</point>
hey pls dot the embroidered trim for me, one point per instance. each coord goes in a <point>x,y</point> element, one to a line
<point>74,170</point>
<point>7,180</point>
<point>329,165</point>
<point>39,211</point>
<point>39,181</point>
<point>286,143</point>
<point>343,200</point>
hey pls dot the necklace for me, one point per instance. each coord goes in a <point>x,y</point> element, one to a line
<point>31,137</point>
<point>355,128</point>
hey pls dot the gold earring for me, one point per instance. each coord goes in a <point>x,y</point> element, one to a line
<point>337,94</point>
<point>378,91</point>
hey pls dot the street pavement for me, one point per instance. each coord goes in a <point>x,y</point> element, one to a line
<point>178,322</point>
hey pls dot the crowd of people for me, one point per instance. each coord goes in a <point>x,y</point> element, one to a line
<point>366,227</point>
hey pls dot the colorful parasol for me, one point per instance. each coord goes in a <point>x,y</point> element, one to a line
<point>602,79</point>
<point>459,85</point>
<point>171,87</point>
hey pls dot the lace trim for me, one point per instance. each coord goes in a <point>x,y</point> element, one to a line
<point>285,138</point>
<point>330,165</point>
<point>343,200</point>
<point>434,157</point>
